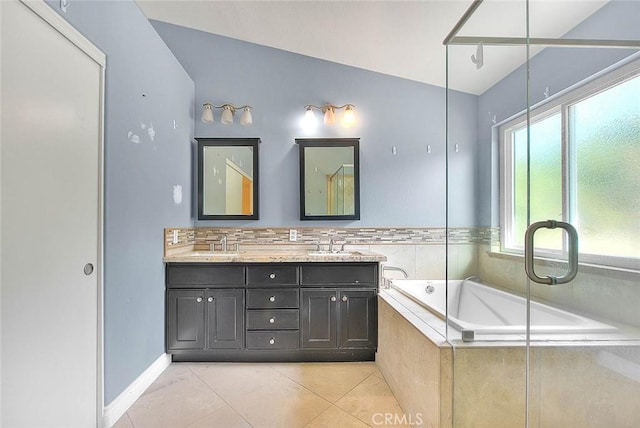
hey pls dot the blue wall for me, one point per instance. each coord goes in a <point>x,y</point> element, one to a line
<point>407,189</point>
<point>557,68</point>
<point>145,87</point>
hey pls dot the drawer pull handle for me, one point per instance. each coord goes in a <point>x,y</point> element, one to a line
<point>333,298</point>
<point>272,275</point>
<point>199,299</point>
<point>272,298</point>
<point>210,299</point>
<point>344,298</point>
<point>272,320</point>
<point>272,341</point>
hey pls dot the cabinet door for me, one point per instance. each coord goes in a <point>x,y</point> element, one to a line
<point>358,318</point>
<point>319,318</point>
<point>225,319</point>
<point>185,319</point>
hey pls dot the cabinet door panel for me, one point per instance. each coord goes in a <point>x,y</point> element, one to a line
<point>225,319</point>
<point>333,274</point>
<point>204,275</point>
<point>319,318</point>
<point>185,319</point>
<point>358,318</point>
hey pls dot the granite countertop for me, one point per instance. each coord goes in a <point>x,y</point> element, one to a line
<point>275,255</point>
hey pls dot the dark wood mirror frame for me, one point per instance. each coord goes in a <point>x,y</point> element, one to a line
<point>328,143</point>
<point>254,197</point>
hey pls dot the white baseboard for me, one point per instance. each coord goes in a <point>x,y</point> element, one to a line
<point>122,402</point>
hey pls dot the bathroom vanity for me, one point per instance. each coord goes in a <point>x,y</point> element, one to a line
<point>256,307</point>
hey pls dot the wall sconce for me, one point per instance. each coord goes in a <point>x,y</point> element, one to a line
<point>329,114</point>
<point>228,111</point>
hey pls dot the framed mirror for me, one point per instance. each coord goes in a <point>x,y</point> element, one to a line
<point>329,179</point>
<point>228,178</point>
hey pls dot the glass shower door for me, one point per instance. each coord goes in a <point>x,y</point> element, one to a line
<point>556,340</point>
<point>584,369</point>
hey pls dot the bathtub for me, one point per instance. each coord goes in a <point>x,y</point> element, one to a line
<point>476,309</point>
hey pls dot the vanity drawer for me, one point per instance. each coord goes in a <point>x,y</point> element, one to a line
<point>339,273</point>
<point>272,274</point>
<point>272,298</point>
<point>190,275</point>
<point>276,319</point>
<point>273,339</point>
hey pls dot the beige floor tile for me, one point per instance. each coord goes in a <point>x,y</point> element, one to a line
<point>336,417</point>
<point>236,379</point>
<point>377,372</point>
<point>331,381</point>
<point>123,422</point>
<point>177,400</point>
<point>371,399</point>
<point>263,396</point>
<point>223,416</point>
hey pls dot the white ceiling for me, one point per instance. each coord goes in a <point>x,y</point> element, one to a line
<point>395,37</point>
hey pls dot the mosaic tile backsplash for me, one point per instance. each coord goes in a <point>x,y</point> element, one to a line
<point>203,236</point>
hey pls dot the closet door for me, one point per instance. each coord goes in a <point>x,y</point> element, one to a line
<point>51,223</point>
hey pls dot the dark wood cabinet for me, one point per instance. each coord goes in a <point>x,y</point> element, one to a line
<point>205,319</point>
<point>224,317</point>
<point>319,318</point>
<point>339,318</point>
<point>272,311</point>
<point>358,325</point>
<point>185,319</point>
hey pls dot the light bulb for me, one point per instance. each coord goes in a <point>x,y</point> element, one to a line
<point>227,115</point>
<point>207,113</point>
<point>310,118</point>
<point>329,116</point>
<point>246,118</point>
<point>348,118</point>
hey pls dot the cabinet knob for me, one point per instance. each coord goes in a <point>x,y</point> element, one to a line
<point>272,341</point>
<point>333,298</point>
<point>344,298</point>
<point>272,320</point>
<point>199,299</point>
<point>272,275</point>
<point>210,299</point>
<point>272,298</point>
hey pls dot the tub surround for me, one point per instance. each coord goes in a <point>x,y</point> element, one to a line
<point>492,373</point>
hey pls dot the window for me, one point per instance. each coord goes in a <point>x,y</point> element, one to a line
<point>584,168</point>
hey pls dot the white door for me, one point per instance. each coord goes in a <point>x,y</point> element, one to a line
<point>51,127</point>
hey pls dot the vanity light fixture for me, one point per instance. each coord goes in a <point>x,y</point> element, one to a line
<point>329,114</point>
<point>228,111</point>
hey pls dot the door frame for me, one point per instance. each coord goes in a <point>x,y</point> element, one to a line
<point>46,13</point>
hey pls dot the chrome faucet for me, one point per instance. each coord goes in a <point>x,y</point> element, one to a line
<point>223,243</point>
<point>331,245</point>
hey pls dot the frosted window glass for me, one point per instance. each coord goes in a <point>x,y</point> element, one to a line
<point>605,137</point>
<point>546,179</point>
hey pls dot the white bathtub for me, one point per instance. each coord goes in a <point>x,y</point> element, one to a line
<point>475,309</point>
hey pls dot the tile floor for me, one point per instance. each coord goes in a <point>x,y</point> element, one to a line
<point>282,395</point>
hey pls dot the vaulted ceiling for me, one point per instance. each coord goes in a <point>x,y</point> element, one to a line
<point>394,37</point>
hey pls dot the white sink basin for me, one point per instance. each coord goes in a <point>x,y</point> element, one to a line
<point>328,254</point>
<point>212,254</point>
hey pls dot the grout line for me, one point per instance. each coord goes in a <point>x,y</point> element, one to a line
<point>129,418</point>
<point>221,397</point>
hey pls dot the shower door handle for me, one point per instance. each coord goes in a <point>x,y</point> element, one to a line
<point>572,252</point>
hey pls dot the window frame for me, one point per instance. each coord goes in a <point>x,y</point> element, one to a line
<point>559,103</point>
